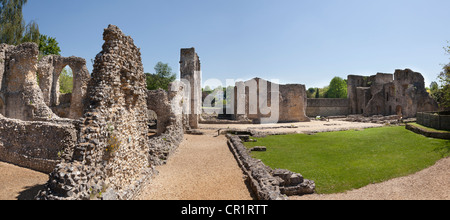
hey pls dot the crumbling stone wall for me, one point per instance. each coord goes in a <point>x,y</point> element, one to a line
<point>190,73</point>
<point>49,71</point>
<point>20,95</point>
<point>111,159</point>
<point>172,121</point>
<point>402,93</point>
<point>267,102</point>
<point>35,145</point>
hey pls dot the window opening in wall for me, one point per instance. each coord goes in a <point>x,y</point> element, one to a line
<point>66,81</point>
<point>61,103</point>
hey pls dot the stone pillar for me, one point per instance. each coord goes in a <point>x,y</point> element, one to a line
<point>191,74</point>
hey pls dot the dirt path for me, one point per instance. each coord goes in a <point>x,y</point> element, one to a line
<point>203,168</point>
<point>18,183</point>
<point>430,184</point>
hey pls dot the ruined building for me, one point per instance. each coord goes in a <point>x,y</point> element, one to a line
<point>266,102</point>
<point>97,145</point>
<point>49,71</point>
<point>402,93</point>
<point>191,75</point>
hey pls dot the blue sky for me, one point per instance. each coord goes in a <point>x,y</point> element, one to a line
<point>295,41</point>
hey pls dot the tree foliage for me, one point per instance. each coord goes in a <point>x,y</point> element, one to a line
<point>442,93</point>
<point>162,78</point>
<point>13,29</point>
<point>48,45</point>
<point>338,88</point>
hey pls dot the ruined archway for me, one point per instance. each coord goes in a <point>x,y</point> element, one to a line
<point>49,73</point>
<point>62,92</point>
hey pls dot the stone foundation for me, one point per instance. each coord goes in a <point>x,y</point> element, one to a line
<point>266,183</point>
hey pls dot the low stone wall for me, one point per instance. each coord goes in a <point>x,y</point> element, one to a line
<point>268,184</point>
<point>427,133</point>
<point>35,145</point>
<point>440,121</point>
<point>327,107</point>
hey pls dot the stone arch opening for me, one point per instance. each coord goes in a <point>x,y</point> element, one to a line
<point>63,84</point>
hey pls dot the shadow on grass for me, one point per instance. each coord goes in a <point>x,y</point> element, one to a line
<point>444,150</point>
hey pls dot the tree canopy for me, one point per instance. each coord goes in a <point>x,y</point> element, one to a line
<point>338,88</point>
<point>444,79</point>
<point>162,78</point>
<point>13,29</point>
<point>441,91</point>
<point>48,45</point>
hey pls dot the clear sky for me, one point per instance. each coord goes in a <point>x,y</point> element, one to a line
<point>296,41</point>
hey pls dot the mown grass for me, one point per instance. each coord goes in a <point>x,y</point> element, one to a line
<point>345,160</point>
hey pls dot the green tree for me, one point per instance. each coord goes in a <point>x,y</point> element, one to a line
<point>317,93</point>
<point>338,88</point>
<point>310,92</point>
<point>48,45</point>
<point>162,78</point>
<point>13,29</point>
<point>66,81</point>
<point>442,95</point>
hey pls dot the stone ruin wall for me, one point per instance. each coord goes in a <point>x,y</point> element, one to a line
<point>190,74</point>
<point>20,95</point>
<point>31,135</point>
<point>49,71</point>
<point>402,93</point>
<point>104,151</point>
<point>35,145</point>
<point>253,100</point>
<point>327,107</point>
<point>114,156</point>
<point>171,121</point>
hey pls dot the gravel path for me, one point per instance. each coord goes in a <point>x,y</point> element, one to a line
<point>203,168</point>
<point>18,183</point>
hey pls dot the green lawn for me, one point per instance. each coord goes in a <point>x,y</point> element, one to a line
<point>345,160</point>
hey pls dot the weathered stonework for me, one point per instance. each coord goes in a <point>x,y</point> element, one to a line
<point>190,73</point>
<point>20,95</point>
<point>49,71</point>
<point>111,159</point>
<point>35,145</point>
<point>402,93</point>
<point>327,107</point>
<point>266,102</point>
<point>172,121</point>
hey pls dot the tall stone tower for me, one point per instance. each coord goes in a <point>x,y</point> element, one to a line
<point>191,74</point>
